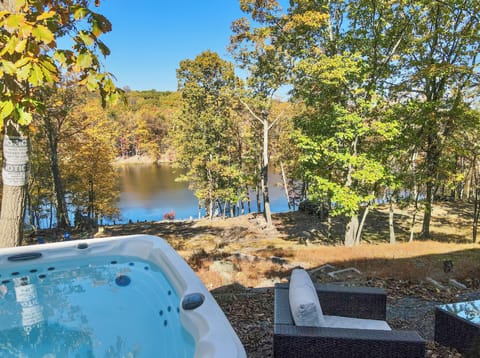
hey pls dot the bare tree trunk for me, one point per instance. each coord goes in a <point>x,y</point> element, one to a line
<point>476,214</point>
<point>351,231</point>
<point>431,160</point>
<point>285,185</point>
<point>257,193</point>
<point>61,206</point>
<point>329,221</point>
<point>414,217</point>
<point>210,209</point>
<point>352,225</point>
<point>391,226</point>
<point>427,216</point>
<point>415,193</point>
<point>476,203</point>
<point>358,236</point>
<point>12,215</point>
<point>266,197</point>
<point>50,225</point>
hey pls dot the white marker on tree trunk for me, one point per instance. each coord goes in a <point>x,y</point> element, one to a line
<point>15,164</point>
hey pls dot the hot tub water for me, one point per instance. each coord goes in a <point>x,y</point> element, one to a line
<point>100,306</point>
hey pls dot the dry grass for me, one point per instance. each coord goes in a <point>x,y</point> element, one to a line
<point>202,242</point>
<point>404,261</point>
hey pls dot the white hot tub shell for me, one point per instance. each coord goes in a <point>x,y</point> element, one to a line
<point>208,325</point>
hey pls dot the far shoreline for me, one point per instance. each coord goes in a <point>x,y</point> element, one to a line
<point>142,160</point>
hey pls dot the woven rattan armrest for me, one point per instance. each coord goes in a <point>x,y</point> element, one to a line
<point>357,302</point>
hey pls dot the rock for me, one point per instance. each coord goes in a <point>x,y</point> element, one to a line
<point>245,257</point>
<point>278,260</point>
<point>323,268</point>
<point>457,284</point>
<point>348,271</point>
<point>268,282</point>
<point>436,283</point>
<point>225,269</point>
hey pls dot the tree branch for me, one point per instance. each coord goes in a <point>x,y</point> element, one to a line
<point>276,120</point>
<point>250,110</point>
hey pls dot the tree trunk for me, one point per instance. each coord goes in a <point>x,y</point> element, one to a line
<point>476,203</point>
<point>476,214</point>
<point>415,193</point>
<point>414,217</point>
<point>352,226</point>
<point>61,206</point>
<point>210,209</point>
<point>358,236</point>
<point>15,180</point>
<point>12,215</point>
<point>427,216</point>
<point>266,199</point>
<point>351,231</point>
<point>391,227</point>
<point>257,193</point>
<point>285,186</point>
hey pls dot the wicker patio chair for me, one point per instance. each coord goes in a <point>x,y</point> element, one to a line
<point>368,303</point>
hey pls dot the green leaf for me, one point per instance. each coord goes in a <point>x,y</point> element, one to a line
<point>92,82</point>
<point>6,108</point>
<point>20,46</point>
<point>42,33</point>
<point>9,46</point>
<point>13,21</point>
<point>24,118</point>
<point>23,72</point>
<point>84,60</point>
<point>60,57</point>
<point>49,72</point>
<point>48,67</point>
<point>8,67</point>
<point>36,75</point>
<point>46,15</point>
<point>86,38</point>
<point>80,13</point>
<point>22,62</point>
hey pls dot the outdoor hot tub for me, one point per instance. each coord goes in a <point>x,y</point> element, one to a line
<point>130,296</point>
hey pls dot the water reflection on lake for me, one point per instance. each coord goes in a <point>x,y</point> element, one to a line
<point>150,191</point>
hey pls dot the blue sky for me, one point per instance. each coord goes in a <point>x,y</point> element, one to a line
<point>151,37</point>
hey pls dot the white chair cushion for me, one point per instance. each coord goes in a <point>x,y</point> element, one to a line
<point>355,323</point>
<point>304,304</point>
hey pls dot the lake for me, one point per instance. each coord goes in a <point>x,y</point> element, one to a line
<point>150,191</point>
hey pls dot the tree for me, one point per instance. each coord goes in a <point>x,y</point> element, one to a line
<point>59,101</point>
<point>204,133</point>
<point>434,74</point>
<point>90,178</point>
<point>30,58</point>
<point>341,53</point>
<point>255,48</point>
